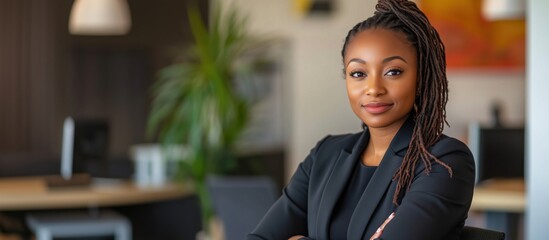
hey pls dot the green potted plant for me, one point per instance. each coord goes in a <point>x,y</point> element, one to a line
<point>198,101</point>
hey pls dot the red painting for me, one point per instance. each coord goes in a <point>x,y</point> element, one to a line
<point>471,40</point>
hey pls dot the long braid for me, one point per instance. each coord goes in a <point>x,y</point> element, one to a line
<point>430,103</point>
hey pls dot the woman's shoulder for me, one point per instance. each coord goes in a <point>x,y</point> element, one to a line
<point>340,141</point>
<point>331,146</point>
<point>453,152</point>
<point>447,144</point>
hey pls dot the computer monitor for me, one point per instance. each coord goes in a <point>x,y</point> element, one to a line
<point>85,145</point>
<point>498,151</point>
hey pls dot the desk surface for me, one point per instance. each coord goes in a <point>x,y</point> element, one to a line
<point>32,193</point>
<point>502,195</point>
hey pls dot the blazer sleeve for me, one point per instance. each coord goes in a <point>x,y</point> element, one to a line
<point>436,205</point>
<point>288,215</point>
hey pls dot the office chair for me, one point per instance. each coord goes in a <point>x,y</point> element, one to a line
<point>240,202</point>
<point>474,233</point>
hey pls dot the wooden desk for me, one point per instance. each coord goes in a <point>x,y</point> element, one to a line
<point>503,201</point>
<point>504,195</point>
<point>31,193</point>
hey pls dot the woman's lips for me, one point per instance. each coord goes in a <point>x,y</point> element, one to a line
<point>377,107</point>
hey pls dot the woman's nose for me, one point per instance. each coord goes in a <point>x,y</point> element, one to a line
<point>374,86</point>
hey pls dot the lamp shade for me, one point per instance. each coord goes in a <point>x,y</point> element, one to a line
<point>100,17</point>
<point>503,9</point>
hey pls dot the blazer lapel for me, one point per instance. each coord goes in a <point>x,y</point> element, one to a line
<point>337,182</point>
<point>377,187</point>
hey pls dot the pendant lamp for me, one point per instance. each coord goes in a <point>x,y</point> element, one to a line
<point>100,17</point>
<point>503,9</point>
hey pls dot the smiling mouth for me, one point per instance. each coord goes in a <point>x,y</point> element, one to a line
<point>376,107</point>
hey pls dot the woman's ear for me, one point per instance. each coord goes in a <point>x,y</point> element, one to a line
<point>416,109</point>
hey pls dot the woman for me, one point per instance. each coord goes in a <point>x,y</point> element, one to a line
<point>400,178</point>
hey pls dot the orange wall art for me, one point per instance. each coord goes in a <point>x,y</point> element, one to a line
<point>471,40</point>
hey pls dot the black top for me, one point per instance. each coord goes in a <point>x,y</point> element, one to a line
<point>436,200</point>
<point>348,201</point>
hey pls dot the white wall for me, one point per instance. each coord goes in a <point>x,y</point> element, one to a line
<point>537,167</point>
<point>315,90</point>
<point>473,92</point>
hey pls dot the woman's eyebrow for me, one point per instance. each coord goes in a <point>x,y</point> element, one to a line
<point>357,60</point>
<point>386,60</point>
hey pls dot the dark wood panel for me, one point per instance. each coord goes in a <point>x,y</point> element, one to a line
<point>24,65</point>
<point>46,74</point>
<point>112,84</point>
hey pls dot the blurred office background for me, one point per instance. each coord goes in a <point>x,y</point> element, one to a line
<point>48,74</point>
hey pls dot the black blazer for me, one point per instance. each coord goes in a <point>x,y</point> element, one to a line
<point>435,207</point>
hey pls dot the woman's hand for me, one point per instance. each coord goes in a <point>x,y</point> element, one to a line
<point>379,231</point>
<point>296,237</point>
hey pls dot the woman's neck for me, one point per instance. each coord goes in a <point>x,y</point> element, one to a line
<point>380,139</point>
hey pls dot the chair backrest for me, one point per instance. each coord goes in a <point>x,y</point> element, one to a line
<point>240,202</point>
<point>474,233</point>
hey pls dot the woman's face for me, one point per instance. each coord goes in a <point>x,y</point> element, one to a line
<point>381,77</point>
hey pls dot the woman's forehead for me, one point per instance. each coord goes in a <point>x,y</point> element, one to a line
<point>379,42</point>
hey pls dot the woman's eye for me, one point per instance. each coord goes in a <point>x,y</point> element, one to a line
<point>394,72</point>
<point>357,74</point>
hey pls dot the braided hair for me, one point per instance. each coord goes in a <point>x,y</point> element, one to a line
<point>432,90</point>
